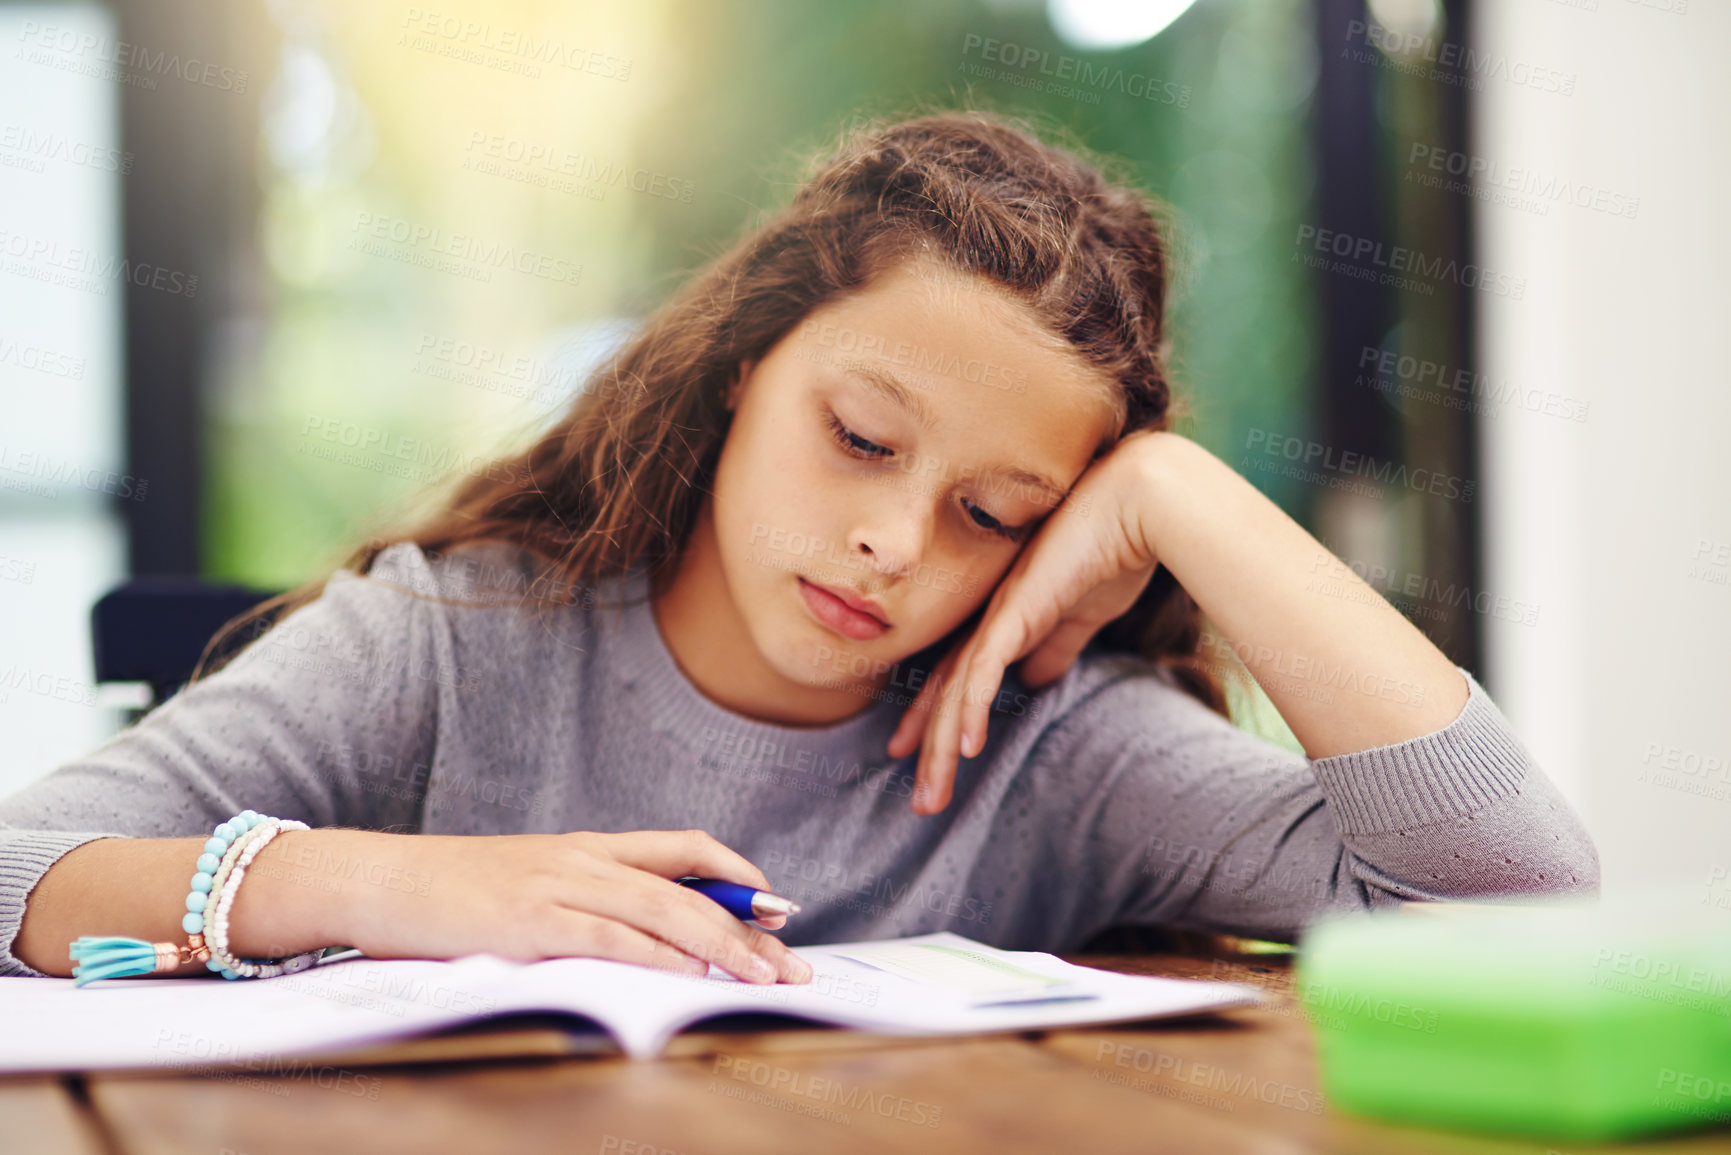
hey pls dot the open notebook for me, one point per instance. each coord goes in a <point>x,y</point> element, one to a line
<point>933,984</point>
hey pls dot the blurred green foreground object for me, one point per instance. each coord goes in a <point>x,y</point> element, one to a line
<point>1569,1022</point>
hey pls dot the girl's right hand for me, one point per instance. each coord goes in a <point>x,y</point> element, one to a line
<point>519,896</point>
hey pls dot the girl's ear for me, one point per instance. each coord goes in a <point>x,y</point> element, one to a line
<point>745,368</point>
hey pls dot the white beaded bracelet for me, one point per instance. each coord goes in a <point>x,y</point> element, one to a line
<point>219,880</point>
<point>223,890</point>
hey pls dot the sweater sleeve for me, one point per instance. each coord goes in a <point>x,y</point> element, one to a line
<point>327,718</point>
<point>1190,821</point>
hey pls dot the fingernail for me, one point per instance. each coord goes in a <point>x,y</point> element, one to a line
<point>762,968</point>
<point>967,744</point>
<point>799,968</point>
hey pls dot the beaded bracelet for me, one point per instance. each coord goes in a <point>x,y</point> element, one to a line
<point>218,883</point>
<point>216,920</point>
<point>114,956</point>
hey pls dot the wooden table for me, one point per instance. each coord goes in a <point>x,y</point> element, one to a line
<point>1242,1081</point>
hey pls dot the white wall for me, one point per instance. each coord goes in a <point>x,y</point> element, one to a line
<point>1601,520</point>
<point>61,543</point>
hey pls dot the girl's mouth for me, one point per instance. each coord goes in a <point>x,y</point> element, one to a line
<point>829,609</point>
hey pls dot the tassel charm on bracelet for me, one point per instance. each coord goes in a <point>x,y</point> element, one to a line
<point>112,957</point>
<point>232,844</point>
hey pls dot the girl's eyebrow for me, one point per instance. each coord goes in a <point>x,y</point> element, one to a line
<point>891,387</point>
<point>887,384</point>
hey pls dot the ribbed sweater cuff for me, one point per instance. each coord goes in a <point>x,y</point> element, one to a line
<point>25,856</point>
<point>1458,770</point>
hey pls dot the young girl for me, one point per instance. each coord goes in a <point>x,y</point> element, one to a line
<point>869,573</point>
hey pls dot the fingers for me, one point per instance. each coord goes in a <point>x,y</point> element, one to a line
<point>677,853</point>
<point>698,926</point>
<point>642,895</point>
<point>584,935</point>
<point>918,717</point>
<point>1057,653</point>
<point>906,738</point>
<point>1023,620</point>
<point>937,765</point>
<point>957,726</point>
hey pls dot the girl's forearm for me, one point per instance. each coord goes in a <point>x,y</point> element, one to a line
<point>137,887</point>
<point>1345,669</point>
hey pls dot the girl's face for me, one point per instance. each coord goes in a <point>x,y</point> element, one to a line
<point>894,451</point>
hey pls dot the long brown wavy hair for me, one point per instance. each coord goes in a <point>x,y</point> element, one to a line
<point>618,481</point>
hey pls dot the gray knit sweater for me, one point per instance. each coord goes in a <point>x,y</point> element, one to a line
<point>1108,797</point>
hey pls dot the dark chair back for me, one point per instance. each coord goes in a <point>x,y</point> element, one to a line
<point>153,629</point>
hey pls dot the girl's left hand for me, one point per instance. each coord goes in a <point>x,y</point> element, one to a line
<point>1086,564</point>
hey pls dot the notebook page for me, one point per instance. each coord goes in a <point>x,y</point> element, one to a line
<point>907,986</point>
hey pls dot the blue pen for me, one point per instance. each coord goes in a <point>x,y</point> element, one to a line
<point>741,901</point>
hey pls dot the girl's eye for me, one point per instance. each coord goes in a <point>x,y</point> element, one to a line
<point>852,442</point>
<point>857,446</point>
<point>992,525</point>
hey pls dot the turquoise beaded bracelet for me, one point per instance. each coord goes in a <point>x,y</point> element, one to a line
<point>113,956</point>
<point>226,886</point>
